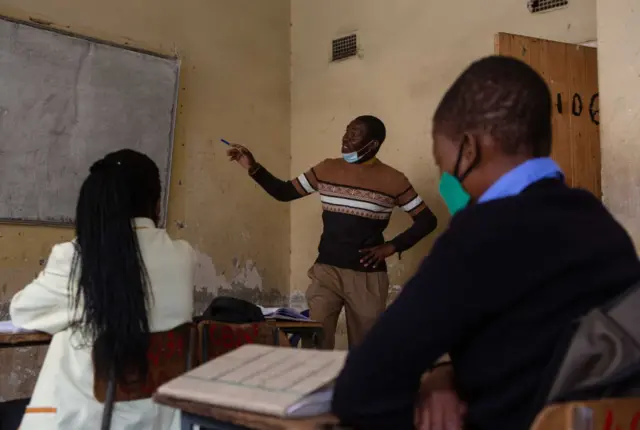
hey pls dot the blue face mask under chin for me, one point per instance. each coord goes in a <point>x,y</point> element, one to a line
<point>353,157</point>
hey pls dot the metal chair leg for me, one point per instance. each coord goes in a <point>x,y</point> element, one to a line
<point>190,356</point>
<point>107,412</point>
<point>185,422</point>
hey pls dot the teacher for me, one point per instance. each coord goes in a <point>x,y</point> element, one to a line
<point>358,194</point>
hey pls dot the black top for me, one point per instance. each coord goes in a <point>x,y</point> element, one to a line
<point>357,202</point>
<point>497,292</point>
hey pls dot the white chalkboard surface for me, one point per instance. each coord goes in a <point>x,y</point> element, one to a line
<point>65,102</point>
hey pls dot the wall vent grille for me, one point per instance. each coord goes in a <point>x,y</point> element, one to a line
<point>536,6</point>
<point>344,47</point>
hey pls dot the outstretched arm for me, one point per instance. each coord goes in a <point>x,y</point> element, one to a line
<point>284,191</point>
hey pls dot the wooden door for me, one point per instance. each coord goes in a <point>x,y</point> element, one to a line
<point>571,71</point>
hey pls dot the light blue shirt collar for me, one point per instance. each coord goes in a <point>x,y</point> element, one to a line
<point>517,179</point>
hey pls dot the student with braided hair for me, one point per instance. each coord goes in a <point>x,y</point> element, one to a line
<point>119,280</point>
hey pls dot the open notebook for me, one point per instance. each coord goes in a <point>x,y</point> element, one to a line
<point>286,314</point>
<point>283,382</point>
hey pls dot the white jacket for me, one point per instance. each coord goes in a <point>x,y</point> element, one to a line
<point>63,397</point>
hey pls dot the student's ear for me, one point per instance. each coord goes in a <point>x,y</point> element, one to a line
<point>470,152</point>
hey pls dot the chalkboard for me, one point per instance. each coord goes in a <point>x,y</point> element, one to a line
<point>65,102</point>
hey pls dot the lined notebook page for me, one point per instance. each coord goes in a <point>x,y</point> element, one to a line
<point>258,378</point>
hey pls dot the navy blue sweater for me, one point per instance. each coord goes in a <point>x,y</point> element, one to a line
<point>497,292</point>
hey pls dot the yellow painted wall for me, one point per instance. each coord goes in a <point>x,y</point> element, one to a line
<point>619,76</point>
<point>411,51</point>
<point>234,84</point>
<point>237,60</point>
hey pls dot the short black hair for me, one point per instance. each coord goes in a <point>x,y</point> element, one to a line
<point>501,96</point>
<point>375,127</point>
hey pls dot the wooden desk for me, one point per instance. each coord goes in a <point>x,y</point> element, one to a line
<point>21,340</point>
<point>214,418</point>
<point>310,332</point>
<point>21,357</point>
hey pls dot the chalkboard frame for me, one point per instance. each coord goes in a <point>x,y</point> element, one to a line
<point>49,26</point>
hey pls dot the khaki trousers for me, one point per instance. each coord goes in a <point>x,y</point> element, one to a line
<point>363,294</point>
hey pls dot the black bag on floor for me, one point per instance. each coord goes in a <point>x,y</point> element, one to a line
<point>232,310</point>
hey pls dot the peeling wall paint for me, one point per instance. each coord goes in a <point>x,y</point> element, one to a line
<point>212,204</point>
<point>394,291</point>
<point>4,311</point>
<point>297,300</point>
<point>244,282</point>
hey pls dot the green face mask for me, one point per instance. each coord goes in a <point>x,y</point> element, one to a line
<point>453,194</point>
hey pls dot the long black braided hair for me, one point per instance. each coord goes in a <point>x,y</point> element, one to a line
<point>108,274</point>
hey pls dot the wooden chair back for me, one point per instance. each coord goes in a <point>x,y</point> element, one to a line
<point>605,414</point>
<point>170,354</point>
<point>216,338</point>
